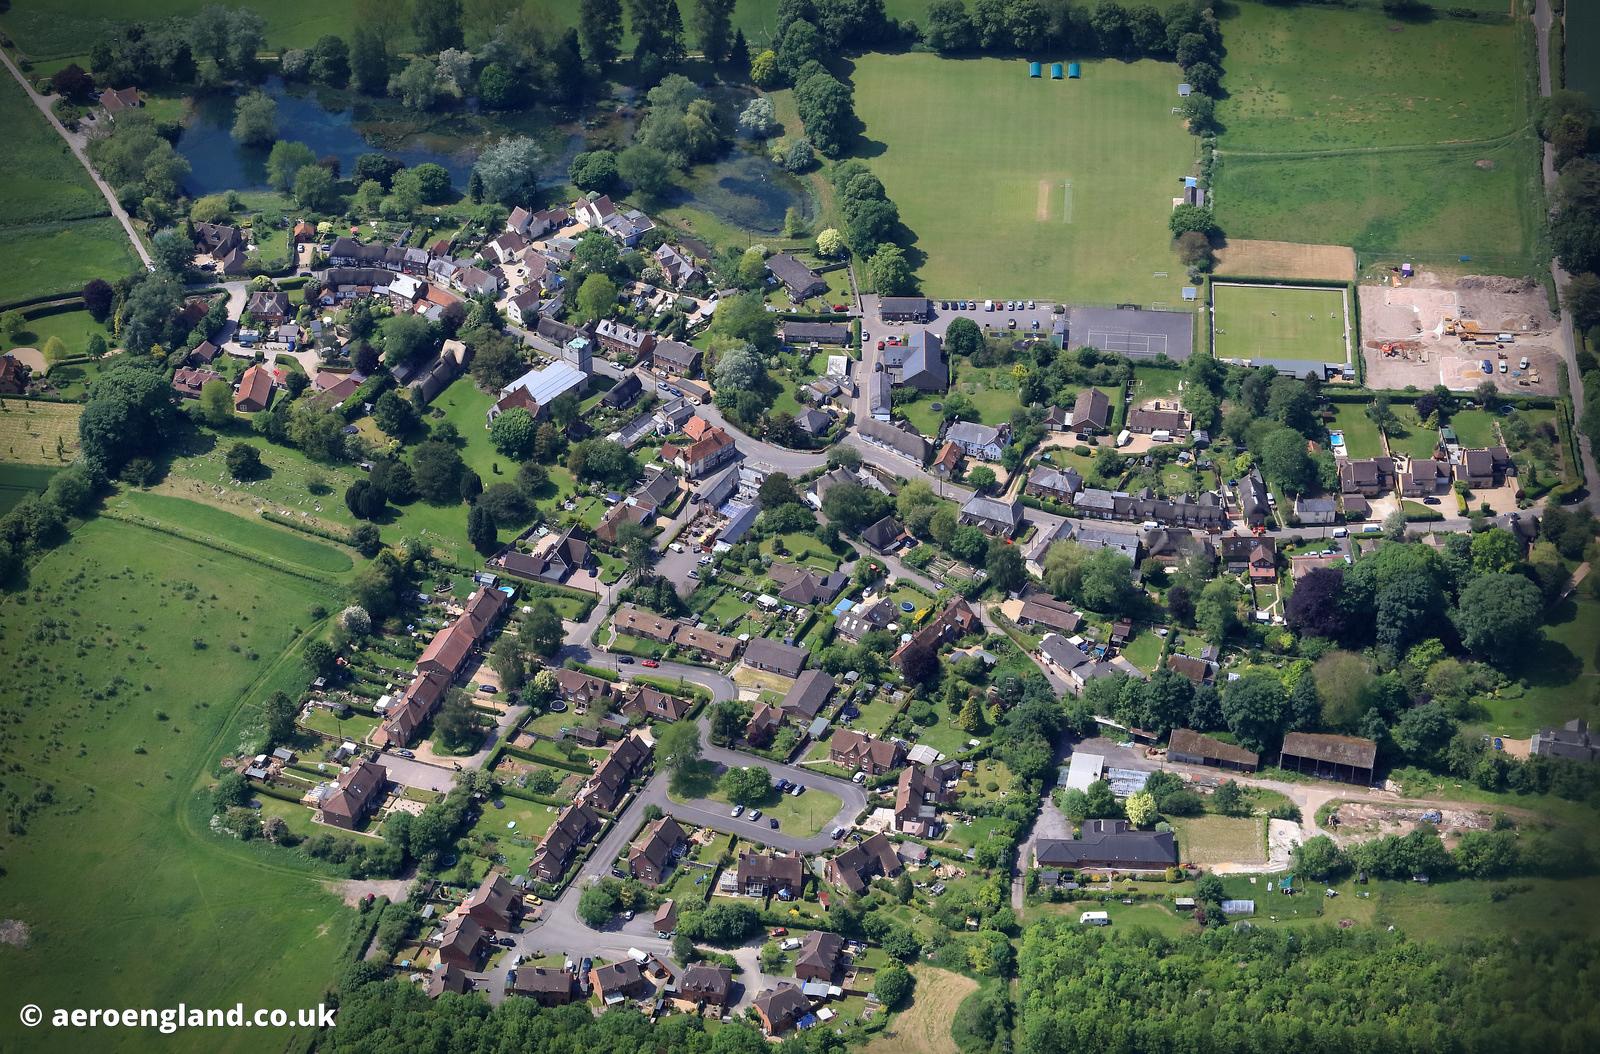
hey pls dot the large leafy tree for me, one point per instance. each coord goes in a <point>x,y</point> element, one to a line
<point>1498,616</point>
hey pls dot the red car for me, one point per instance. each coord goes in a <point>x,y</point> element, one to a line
<point>651,663</point>
<point>839,307</point>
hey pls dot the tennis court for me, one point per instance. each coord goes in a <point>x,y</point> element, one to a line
<point>1136,334</point>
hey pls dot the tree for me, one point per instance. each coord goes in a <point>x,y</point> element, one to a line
<point>1582,298</point>
<point>406,337</point>
<point>510,170</point>
<point>1255,707</point>
<point>892,985</point>
<point>678,747</point>
<point>369,59</point>
<point>1195,218</point>
<point>437,24</point>
<point>1005,566</point>
<point>1495,551</point>
<point>320,658</point>
<point>1498,616</point>
<point>97,299</point>
<point>314,188</point>
<point>890,272</point>
<point>1106,582</point>
<point>330,61</point>
<point>513,432</point>
<point>600,29</point>
<point>1284,461</point>
<point>540,630</point>
<point>594,170</point>
<point>647,170</point>
<point>603,461</point>
<point>1216,612</point>
<point>437,467</point>
<point>596,905</point>
<point>481,529</point>
<point>1320,858</point>
<point>285,162</point>
<point>416,86</point>
<point>129,412</point>
<point>244,461</point>
<point>746,785</point>
<point>255,119</point>
<point>1141,809</point>
<point>827,110</point>
<point>597,298</point>
<point>1315,607</point>
<point>712,21</point>
<point>830,243</point>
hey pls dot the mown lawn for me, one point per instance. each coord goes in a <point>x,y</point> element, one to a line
<point>1361,437</point>
<point>1220,839</point>
<point>34,433</point>
<point>124,717</point>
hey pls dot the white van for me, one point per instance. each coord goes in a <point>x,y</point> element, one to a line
<point>1161,435</point>
<point>676,547</point>
<point>988,305</point>
<point>1094,918</point>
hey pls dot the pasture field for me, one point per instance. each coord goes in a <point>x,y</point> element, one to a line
<point>1346,127</point>
<point>19,481</point>
<point>1279,322</point>
<point>129,899</point>
<point>1040,188</point>
<point>255,535</point>
<point>56,231</point>
<point>35,433</point>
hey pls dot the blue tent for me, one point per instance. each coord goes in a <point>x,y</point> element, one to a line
<point>1055,71</point>
<point>1072,71</point>
<point>1033,69</point>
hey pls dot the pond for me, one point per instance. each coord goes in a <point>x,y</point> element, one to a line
<point>328,123</point>
<point>747,191</point>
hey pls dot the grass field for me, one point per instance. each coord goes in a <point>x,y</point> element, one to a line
<point>130,899</point>
<point>1346,127</point>
<point>1207,840</point>
<point>56,231</point>
<point>1361,438</point>
<point>1279,322</point>
<point>1021,187</point>
<point>38,433</point>
<point>1412,438</point>
<point>923,1027</point>
<point>19,481</point>
<point>1562,673</point>
<point>256,535</point>
<point>800,817</point>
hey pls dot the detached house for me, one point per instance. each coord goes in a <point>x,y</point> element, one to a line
<point>918,363</point>
<point>995,515</point>
<point>774,656</point>
<point>978,440</point>
<point>1092,411</point>
<point>268,307</point>
<point>1422,477</point>
<point>582,690</point>
<point>1368,477</point>
<point>463,943</point>
<point>859,865</point>
<point>619,338</point>
<point>620,981</point>
<point>806,698</point>
<point>677,269</point>
<point>1053,484</point>
<point>820,955</point>
<point>801,281</point>
<point>918,795</point>
<point>954,622</point>
<point>703,456</point>
<point>852,750</point>
<point>1256,556</point>
<point>780,1008</point>
<point>676,357</point>
<point>187,382</point>
<point>651,704</point>
<point>706,985</point>
<point>626,226</point>
<point>255,390</point>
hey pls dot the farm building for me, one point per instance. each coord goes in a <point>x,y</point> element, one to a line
<point>1192,748</point>
<point>1347,758</point>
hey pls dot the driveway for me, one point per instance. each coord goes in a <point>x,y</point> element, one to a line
<point>411,773</point>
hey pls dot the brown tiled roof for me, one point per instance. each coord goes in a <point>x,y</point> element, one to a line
<point>355,789</point>
<point>1188,741</point>
<point>1337,750</point>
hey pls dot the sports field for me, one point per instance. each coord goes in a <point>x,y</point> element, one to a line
<point>1350,128</point>
<point>1279,322</point>
<point>1022,187</point>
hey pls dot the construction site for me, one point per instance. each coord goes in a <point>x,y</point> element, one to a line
<point>1421,331</point>
<point>1351,821</point>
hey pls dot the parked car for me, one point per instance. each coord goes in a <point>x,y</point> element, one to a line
<point>1030,305</point>
<point>738,810</point>
<point>1430,500</point>
<point>859,777</point>
<point>797,790</point>
<point>650,663</point>
<point>755,814</point>
<point>624,660</point>
<point>487,689</point>
<point>404,754</point>
<point>782,785</point>
<point>772,822</point>
<point>838,833</point>
<point>1011,323</point>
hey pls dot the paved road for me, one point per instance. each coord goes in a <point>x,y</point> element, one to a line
<point>76,144</point>
<point>1542,19</point>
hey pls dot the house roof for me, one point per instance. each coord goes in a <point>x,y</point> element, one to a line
<point>782,1006</point>
<point>972,433</point>
<point>857,865</point>
<point>1046,610</point>
<point>818,332</point>
<point>702,980</point>
<point>907,441</point>
<point>1062,481</point>
<point>537,980</point>
<point>445,977</point>
<point>1188,741</point>
<point>715,645</point>
<point>493,899</point>
<point>820,949</point>
<point>1091,407</point>
<point>782,658</point>
<point>808,694</point>
<point>784,870</point>
<point>255,386</point>
<point>809,587</point>
<point>997,510</point>
<point>652,703</point>
<point>1110,843</point>
<point>355,789</point>
<point>1336,750</point>
<point>1197,670</point>
<point>461,934</point>
<point>658,842</point>
<point>883,534</point>
<point>791,272</point>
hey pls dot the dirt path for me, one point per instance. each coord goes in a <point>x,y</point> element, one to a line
<point>75,144</point>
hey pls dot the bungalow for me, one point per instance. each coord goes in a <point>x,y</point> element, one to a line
<point>820,955</point>
<point>1171,420</point>
<point>880,400</point>
<point>187,382</point>
<point>1316,512</point>
<point>767,874</point>
<point>547,987</point>
<point>1348,758</point>
<point>1111,845</point>
<point>801,281</point>
<point>650,858</point>
<point>623,512</point>
<point>620,981</point>
<point>1192,748</point>
<point>462,943</point>
<point>649,703</point>
<point>917,363</point>
<point>806,588</point>
<point>997,516</point>
<point>813,422</point>
<point>918,795</point>
<point>1124,538</point>
<point>802,334</point>
<point>204,354</point>
<point>902,439</point>
<point>355,794</point>
<point>978,440</point>
<point>764,725</point>
<point>676,357</point>
<point>619,338</point>
<point>1198,671</point>
<point>1045,481</point>
<point>622,394</point>
<point>1305,563</point>
<point>573,828</point>
<point>1091,412</point>
<point>494,905</point>
<point>706,985</point>
<point>268,308</point>
<point>905,309</point>
<point>852,751</point>
<point>854,868</point>
<point>1042,609</point>
<point>255,390</point>
<point>1572,741</point>
<point>780,1008</point>
<point>1368,477</point>
<point>119,100</point>
<point>884,536</point>
<point>774,656</point>
<point>947,462</point>
<point>677,269</point>
<point>713,646</point>
<point>807,696</point>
